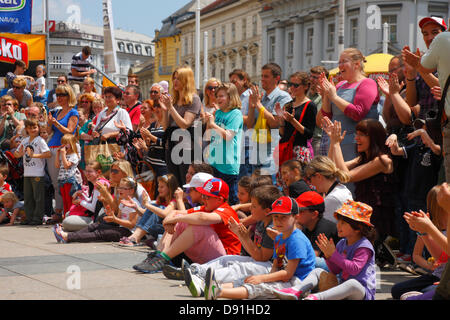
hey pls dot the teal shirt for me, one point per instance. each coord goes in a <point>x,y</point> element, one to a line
<point>224,155</point>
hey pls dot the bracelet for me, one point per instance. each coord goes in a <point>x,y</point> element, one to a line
<point>421,234</point>
<point>410,79</point>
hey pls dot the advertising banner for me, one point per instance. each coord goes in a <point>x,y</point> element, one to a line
<point>15,16</point>
<point>27,47</point>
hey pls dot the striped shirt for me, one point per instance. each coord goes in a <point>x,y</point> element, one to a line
<point>156,152</point>
<point>79,65</point>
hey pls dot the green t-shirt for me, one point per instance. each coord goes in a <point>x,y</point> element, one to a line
<point>225,156</point>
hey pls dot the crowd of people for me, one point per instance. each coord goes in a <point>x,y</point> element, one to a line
<point>297,189</point>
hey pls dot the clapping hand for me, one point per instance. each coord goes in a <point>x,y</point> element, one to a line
<point>436,91</point>
<point>326,87</point>
<point>418,221</point>
<point>394,85</point>
<point>237,228</point>
<point>255,96</point>
<point>383,85</point>
<point>413,59</point>
<point>325,245</point>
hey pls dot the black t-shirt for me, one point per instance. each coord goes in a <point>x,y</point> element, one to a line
<point>325,226</point>
<point>308,122</point>
<point>297,188</point>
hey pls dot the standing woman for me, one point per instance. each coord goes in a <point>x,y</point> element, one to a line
<point>371,171</point>
<point>182,113</point>
<point>299,117</point>
<point>105,127</point>
<point>352,100</point>
<point>209,98</point>
<point>89,88</point>
<point>63,121</point>
<point>19,92</point>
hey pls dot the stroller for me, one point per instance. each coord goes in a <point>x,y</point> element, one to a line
<point>15,177</point>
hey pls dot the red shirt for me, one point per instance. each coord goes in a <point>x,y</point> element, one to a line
<point>135,114</point>
<point>229,240</point>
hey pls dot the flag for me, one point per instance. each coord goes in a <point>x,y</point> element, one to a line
<point>15,16</point>
<point>107,83</point>
<point>109,49</point>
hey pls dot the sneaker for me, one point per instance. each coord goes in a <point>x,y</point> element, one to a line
<point>288,294</point>
<point>193,283</point>
<point>212,288</point>
<point>384,254</point>
<point>409,294</point>
<point>154,263</point>
<point>172,273</point>
<point>406,258</point>
<point>311,297</point>
<point>57,234</point>
<point>184,265</point>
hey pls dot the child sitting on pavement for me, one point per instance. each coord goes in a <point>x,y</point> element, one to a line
<point>259,250</point>
<point>293,256</point>
<point>352,260</point>
<point>202,233</point>
<point>12,208</point>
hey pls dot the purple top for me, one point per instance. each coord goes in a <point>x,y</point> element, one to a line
<point>355,262</point>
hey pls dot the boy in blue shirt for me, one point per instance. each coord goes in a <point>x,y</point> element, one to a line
<point>294,259</point>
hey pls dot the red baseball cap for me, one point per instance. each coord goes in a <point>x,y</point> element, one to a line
<point>214,187</point>
<point>310,200</point>
<point>436,20</point>
<point>284,205</point>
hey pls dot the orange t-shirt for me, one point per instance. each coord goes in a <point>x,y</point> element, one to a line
<point>229,240</point>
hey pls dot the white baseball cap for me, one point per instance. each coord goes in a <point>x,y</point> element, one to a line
<point>198,180</point>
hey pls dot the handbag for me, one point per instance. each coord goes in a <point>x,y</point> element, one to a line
<point>146,178</point>
<point>436,120</point>
<point>102,153</point>
<point>261,132</point>
<point>285,150</point>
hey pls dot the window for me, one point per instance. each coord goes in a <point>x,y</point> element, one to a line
<point>57,60</point>
<point>213,38</point>
<point>309,39</point>
<point>121,46</point>
<point>185,46</point>
<point>177,57</point>
<point>222,73</point>
<point>255,25</point>
<point>138,49</point>
<point>213,70</point>
<point>233,32</point>
<point>354,32</point>
<point>244,29</point>
<point>244,63</point>
<point>233,64</point>
<point>331,35</point>
<point>271,48</point>
<point>223,35</point>
<point>148,49</point>
<point>130,48</point>
<point>392,21</point>
<point>290,51</point>
<point>254,64</point>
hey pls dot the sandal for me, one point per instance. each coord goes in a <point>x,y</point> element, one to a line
<point>127,242</point>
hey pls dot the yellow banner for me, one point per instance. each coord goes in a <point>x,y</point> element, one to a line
<point>26,47</point>
<point>107,83</point>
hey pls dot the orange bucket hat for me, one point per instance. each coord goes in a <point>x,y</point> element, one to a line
<point>357,211</point>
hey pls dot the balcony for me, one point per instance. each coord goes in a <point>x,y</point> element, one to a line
<point>165,70</point>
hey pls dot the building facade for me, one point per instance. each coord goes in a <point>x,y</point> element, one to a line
<point>299,34</point>
<point>233,30</point>
<point>132,49</point>
<point>168,41</point>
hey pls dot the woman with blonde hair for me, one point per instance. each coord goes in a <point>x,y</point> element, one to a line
<point>328,180</point>
<point>19,92</point>
<point>209,97</point>
<point>352,100</point>
<point>63,121</point>
<point>181,112</point>
<point>89,88</point>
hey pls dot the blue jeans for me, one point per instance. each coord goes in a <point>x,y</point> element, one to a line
<point>151,223</point>
<point>246,168</point>
<point>320,263</point>
<point>232,181</point>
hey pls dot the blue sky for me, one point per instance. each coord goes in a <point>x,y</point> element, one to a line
<point>142,16</point>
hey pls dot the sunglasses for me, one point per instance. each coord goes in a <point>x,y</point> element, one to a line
<point>211,88</point>
<point>62,94</point>
<point>154,92</point>
<point>115,171</point>
<point>84,101</point>
<point>295,85</point>
<point>61,81</point>
<point>18,88</point>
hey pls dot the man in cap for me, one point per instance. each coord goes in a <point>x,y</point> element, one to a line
<point>311,207</point>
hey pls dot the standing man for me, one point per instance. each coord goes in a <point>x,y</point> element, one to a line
<point>80,68</point>
<point>263,152</point>
<point>316,98</point>
<point>131,98</point>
